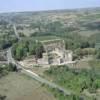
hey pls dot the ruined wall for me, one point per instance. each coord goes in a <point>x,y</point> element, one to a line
<point>55,53</point>
<point>53,45</point>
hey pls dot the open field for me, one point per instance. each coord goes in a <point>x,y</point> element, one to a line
<point>17,86</point>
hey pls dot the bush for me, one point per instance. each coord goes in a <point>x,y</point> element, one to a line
<point>98,54</point>
<point>5,69</point>
<point>74,79</point>
<point>2,97</point>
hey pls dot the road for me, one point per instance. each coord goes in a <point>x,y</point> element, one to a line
<point>16,33</point>
<point>14,28</point>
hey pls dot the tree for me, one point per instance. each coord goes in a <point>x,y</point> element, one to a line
<point>39,50</point>
<point>98,54</point>
<point>19,53</point>
<point>24,48</point>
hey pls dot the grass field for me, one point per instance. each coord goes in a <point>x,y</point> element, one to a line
<point>17,86</point>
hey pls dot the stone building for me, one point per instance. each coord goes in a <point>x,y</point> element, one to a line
<point>55,53</point>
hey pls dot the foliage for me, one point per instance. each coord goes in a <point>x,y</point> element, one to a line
<point>5,69</point>
<point>98,54</point>
<point>2,97</point>
<point>7,41</point>
<point>27,47</point>
<point>61,96</point>
<point>21,34</point>
<point>80,53</point>
<point>95,63</point>
<point>74,79</point>
<point>3,22</point>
